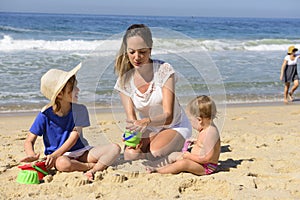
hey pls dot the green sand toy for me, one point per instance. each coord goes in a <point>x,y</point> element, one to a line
<point>132,138</point>
<point>28,177</point>
<point>39,167</point>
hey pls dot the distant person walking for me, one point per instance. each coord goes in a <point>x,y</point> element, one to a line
<point>289,73</point>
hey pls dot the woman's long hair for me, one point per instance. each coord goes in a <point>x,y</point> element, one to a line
<point>122,64</point>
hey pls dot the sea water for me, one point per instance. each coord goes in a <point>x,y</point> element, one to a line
<point>236,59</point>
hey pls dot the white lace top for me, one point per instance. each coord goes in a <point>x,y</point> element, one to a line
<point>149,104</point>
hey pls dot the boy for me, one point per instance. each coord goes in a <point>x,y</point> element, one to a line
<point>60,123</point>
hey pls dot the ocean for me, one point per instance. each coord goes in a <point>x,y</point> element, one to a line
<point>235,60</point>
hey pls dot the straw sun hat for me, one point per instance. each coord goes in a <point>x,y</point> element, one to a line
<point>53,82</point>
<point>291,49</point>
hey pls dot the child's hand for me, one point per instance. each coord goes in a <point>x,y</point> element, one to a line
<point>31,158</point>
<point>186,155</point>
<point>50,161</point>
<point>193,141</point>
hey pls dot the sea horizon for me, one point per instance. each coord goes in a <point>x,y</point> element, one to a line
<point>128,15</point>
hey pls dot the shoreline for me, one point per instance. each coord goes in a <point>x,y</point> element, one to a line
<point>120,109</point>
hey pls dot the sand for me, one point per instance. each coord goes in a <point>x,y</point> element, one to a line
<point>260,159</point>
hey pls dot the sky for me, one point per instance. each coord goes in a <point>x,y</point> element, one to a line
<point>202,8</point>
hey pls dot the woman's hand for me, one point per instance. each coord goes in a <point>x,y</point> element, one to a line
<point>31,158</point>
<point>50,161</point>
<point>138,125</point>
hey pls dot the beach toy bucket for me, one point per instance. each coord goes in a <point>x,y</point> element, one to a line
<point>132,138</point>
<point>38,167</point>
<point>28,177</point>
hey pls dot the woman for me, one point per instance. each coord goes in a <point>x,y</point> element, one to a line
<point>148,86</point>
<point>289,73</point>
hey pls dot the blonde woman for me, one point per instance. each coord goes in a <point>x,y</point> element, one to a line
<point>147,92</point>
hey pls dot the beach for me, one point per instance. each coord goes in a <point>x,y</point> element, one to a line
<point>259,160</point>
<point>236,61</point>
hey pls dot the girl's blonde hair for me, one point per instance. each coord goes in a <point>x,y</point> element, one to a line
<point>122,64</point>
<point>202,106</point>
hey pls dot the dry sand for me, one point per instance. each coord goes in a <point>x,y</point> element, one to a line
<point>260,159</point>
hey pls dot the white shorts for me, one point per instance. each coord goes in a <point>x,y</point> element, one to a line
<point>77,153</point>
<point>184,128</point>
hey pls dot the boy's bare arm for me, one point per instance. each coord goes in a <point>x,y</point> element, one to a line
<point>29,148</point>
<point>69,143</point>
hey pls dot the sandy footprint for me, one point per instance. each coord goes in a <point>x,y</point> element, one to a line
<point>186,184</point>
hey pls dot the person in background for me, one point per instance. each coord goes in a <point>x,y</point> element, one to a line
<point>289,73</point>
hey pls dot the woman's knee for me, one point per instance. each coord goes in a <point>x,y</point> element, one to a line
<point>175,145</point>
<point>164,151</point>
<point>63,164</point>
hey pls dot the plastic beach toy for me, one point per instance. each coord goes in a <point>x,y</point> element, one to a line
<point>28,177</point>
<point>38,167</point>
<point>132,138</point>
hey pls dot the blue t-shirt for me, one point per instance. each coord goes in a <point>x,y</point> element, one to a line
<point>56,130</point>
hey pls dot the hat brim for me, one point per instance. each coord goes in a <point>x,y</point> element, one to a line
<point>67,77</point>
<point>292,50</point>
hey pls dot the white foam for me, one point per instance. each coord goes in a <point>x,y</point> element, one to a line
<point>10,44</point>
<point>193,45</point>
<point>13,29</point>
<point>111,46</point>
